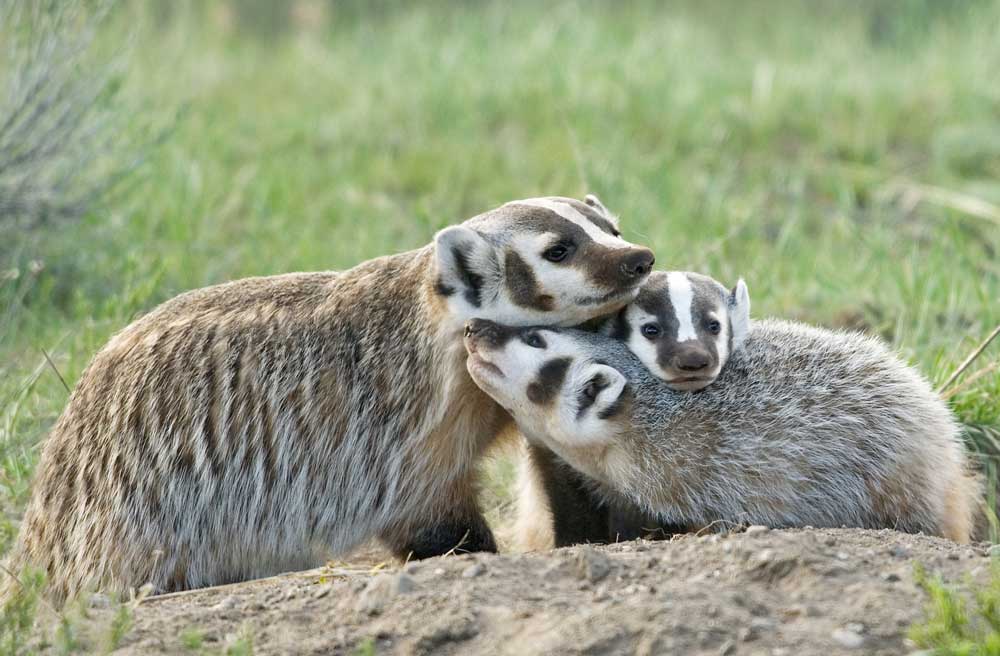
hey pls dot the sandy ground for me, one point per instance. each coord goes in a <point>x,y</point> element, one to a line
<point>760,592</point>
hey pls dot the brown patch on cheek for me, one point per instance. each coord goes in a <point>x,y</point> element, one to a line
<point>544,389</point>
<point>602,265</point>
<point>523,285</point>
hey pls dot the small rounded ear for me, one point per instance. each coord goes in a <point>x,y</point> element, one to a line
<point>463,260</point>
<point>609,399</point>
<point>739,313</point>
<point>593,201</point>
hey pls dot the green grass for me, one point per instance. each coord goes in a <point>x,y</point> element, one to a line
<point>951,627</point>
<point>791,144</point>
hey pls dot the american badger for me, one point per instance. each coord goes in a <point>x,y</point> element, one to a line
<point>803,426</point>
<point>257,426</point>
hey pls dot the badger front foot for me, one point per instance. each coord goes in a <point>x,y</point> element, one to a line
<point>459,535</point>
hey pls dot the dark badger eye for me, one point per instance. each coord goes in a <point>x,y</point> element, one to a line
<point>556,253</point>
<point>651,331</point>
<point>534,340</point>
<point>714,327</point>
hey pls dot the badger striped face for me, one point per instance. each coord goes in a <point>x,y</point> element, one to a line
<point>553,261</point>
<point>556,391</point>
<point>684,326</point>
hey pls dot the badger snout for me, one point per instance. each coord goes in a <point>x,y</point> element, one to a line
<point>692,360</point>
<point>483,333</point>
<point>637,264</point>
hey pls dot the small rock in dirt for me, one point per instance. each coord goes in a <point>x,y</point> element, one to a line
<point>856,627</point>
<point>592,565</point>
<point>890,577</point>
<point>411,568</point>
<point>842,556</point>
<point>757,529</point>
<point>953,555</point>
<point>439,571</point>
<point>899,551</point>
<point>847,638</point>
<point>227,603</point>
<point>830,541</point>
<point>451,629</point>
<point>472,571</point>
<point>382,589</point>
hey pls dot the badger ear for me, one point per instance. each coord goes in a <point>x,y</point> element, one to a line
<point>464,258</point>
<point>593,201</point>
<point>610,396</point>
<point>739,313</point>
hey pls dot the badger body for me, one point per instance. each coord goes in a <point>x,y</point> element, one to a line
<point>802,427</point>
<point>262,425</point>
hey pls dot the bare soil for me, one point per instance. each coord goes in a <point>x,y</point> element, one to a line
<point>760,592</point>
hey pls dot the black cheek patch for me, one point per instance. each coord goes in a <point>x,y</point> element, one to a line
<point>473,281</point>
<point>524,288</point>
<point>546,387</point>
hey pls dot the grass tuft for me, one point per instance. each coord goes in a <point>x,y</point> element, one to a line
<point>951,627</point>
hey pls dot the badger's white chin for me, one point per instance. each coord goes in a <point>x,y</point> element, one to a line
<point>483,372</point>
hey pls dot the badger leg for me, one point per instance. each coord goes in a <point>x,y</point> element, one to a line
<point>628,522</point>
<point>577,512</point>
<point>460,528</point>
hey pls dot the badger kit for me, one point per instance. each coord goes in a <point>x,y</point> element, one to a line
<point>264,425</point>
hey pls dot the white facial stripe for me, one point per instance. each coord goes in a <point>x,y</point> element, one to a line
<point>643,349</point>
<point>682,298</point>
<point>722,341</point>
<point>571,214</point>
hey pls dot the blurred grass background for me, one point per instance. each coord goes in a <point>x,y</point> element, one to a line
<point>843,157</point>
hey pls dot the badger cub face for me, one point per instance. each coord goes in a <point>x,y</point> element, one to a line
<point>551,261</point>
<point>556,390</point>
<point>684,326</point>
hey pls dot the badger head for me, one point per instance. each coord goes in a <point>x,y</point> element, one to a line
<point>555,385</point>
<point>552,261</point>
<point>684,326</point>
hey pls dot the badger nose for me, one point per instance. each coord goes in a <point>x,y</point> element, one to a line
<point>692,360</point>
<point>484,330</point>
<point>638,263</point>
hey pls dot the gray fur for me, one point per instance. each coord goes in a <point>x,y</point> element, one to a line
<point>804,426</point>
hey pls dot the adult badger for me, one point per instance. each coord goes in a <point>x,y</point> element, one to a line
<point>802,426</point>
<point>258,426</point>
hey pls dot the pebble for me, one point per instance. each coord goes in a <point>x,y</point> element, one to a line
<point>592,565</point>
<point>472,571</point>
<point>382,589</point>
<point>899,551</point>
<point>226,603</point>
<point>757,529</point>
<point>890,577</point>
<point>411,568</point>
<point>953,555</point>
<point>856,627</point>
<point>830,541</point>
<point>847,638</point>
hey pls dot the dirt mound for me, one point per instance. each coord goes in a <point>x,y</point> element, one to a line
<point>761,592</point>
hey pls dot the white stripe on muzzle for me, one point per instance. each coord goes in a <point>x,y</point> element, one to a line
<point>682,298</point>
